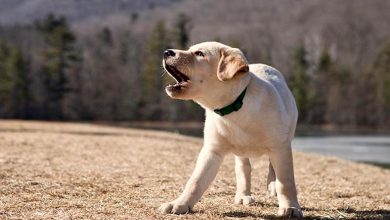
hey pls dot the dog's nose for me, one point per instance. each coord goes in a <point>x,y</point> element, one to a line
<point>169,53</point>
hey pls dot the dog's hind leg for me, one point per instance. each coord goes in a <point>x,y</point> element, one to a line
<point>271,180</point>
<point>282,163</point>
<point>243,177</point>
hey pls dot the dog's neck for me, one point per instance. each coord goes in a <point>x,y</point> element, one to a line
<point>220,98</point>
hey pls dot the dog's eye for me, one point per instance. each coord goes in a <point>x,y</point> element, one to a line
<point>199,53</point>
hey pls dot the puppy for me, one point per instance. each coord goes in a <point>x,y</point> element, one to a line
<point>250,111</point>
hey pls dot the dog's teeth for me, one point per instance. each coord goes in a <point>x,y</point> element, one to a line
<point>177,86</point>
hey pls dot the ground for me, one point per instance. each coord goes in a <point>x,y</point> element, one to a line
<point>85,171</point>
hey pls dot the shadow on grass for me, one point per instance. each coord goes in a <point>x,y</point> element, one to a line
<point>366,214</point>
<point>26,130</point>
<point>239,214</point>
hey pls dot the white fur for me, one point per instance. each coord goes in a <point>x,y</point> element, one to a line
<point>264,125</point>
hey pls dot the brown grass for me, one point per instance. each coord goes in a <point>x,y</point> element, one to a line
<point>82,171</point>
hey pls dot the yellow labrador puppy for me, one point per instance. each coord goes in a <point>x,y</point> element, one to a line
<point>249,112</point>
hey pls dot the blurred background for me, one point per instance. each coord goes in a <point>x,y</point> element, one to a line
<point>100,60</point>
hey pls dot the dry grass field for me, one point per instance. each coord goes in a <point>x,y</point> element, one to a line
<point>84,171</point>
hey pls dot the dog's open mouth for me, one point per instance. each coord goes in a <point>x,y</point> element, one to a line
<point>181,79</point>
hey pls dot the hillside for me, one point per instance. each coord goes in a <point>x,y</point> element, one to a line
<point>352,31</point>
<point>26,11</point>
<point>84,171</point>
<point>329,52</point>
<point>265,28</point>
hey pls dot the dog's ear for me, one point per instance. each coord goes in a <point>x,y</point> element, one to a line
<point>232,62</point>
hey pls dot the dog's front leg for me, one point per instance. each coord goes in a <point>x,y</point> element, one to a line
<point>243,177</point>
<point>205,171</point>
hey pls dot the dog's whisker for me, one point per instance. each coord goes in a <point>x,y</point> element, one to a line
<point>163,73</point>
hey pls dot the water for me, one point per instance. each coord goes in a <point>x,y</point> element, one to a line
<point>362,148</point>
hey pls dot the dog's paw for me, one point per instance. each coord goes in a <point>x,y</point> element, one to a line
<point>291,213</point>
<point>174,207</point>
<point>272,188</point>
<point>243,199</point>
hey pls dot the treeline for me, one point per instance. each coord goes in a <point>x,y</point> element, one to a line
<point>328,92</point>
<point>48,71</point>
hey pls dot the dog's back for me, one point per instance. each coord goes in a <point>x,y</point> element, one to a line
<point>276,80</point>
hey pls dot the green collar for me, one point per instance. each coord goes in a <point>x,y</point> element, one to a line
<point>235,106</point>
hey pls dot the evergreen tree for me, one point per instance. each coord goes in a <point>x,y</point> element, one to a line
<point>105,36</point>
<point>124,52</point>
<point>377,80</point>
<point>60,58</point>
<point>299,82</point>
<point>321,86</point>
<point>134,17</point>
<point>126,42</point>
<point>14,82</point>
<point>325,61</point>
<point>152,81</point>
<point>181,31</point>
<point>339,96</point>
<point>6,82</point>
<point>17,66</point>
<point>5,78</point>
